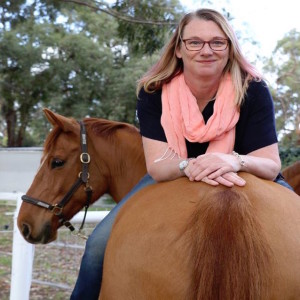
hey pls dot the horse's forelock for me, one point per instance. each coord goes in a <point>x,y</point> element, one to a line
<point>54,133</point>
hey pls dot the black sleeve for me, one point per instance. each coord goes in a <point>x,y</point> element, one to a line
<point>256,126</point>
<point>149,110</point>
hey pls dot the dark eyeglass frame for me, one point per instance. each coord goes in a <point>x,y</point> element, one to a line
<point>205,42</point>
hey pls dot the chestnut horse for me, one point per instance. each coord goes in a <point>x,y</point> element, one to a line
<point>115,150</point>
<point>171,240</point>
<point>292,176</point>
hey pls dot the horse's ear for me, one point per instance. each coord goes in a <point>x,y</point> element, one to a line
<point>66,124</point>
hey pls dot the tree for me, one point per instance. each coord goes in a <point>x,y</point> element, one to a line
<point>20,52</point>
<point>285,67</point>
<point>163,16</point>
<point>70,59</point>
<point>79,58</point>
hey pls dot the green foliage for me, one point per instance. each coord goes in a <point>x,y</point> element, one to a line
<point>22,45</point>
<point>289,155</point>
<point>285,67</point>
<point>147,23</point>
<point>83,62</point>
<point>72,60</point>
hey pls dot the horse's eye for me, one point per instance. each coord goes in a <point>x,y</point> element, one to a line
<point>56,163</point>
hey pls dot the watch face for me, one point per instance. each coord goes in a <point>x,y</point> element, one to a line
<point>183,164</point>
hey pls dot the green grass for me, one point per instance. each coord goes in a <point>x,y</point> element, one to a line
<point>5,241</point>
<point>5,261</point>
<point>6,227</point>
<point>5,218</point>
<point>12,203</point>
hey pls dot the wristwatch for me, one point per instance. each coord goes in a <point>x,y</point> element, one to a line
<point>183,164</point>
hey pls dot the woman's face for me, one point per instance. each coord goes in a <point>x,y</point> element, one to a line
<point>204,63</point>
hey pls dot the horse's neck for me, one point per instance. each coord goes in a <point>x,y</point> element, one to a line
<point>131,171</point>
<point>124,161</point>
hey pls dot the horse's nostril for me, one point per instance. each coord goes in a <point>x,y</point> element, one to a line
<point>25,230</point>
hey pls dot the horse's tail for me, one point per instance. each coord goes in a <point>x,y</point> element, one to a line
<point>232,257</point>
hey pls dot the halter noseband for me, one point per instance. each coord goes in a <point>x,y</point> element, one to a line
<point>83,178</point>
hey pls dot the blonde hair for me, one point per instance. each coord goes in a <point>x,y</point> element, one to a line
<point>169,65</point>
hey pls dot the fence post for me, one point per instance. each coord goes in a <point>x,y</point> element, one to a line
<point>22,262</point>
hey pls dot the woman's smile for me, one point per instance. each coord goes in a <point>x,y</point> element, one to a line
<point>206,61</point>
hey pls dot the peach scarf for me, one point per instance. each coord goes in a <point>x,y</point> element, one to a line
<point>181,118</point>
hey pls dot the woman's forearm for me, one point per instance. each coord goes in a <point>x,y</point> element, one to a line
<point>165,169</point>
<point>262,167</point>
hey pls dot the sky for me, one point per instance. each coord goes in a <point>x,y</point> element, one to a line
<point>265,21</point>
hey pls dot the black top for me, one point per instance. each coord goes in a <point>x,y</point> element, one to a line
<point>255,128</point>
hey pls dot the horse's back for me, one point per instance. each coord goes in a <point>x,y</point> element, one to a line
<point>150,254</point>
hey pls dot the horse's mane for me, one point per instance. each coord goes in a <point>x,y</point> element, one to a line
<point>108,128</point>
<point>100,127</point>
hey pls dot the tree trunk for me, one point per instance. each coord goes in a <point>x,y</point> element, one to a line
<point>11,119</point>
<point>21,133</point>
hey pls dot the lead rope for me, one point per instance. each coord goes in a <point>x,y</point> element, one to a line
<point>73,230</point>
<point>68,224</point>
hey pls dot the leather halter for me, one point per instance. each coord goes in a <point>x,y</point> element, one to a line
<point>83,178</point>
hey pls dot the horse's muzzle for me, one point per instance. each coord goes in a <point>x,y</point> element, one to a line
<point>45,236</point>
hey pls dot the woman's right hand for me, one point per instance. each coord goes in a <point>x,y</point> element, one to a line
<point>199,171</point>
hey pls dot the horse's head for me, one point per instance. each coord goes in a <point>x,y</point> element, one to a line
<point>58,171</point>
<point>59,189</point>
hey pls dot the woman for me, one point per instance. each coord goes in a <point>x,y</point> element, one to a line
<point>204,113</point>
<point>203,56</point>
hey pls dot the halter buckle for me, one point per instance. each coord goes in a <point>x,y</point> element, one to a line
<point>80,173</point>
<point>57,210</point>
<point>85,158</point>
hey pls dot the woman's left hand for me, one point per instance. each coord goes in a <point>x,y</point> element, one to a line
<point>214,169</point>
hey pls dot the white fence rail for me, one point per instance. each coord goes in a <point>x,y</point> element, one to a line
<point>23,252</point>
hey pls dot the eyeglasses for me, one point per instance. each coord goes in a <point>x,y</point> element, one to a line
<point>197,44</point>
